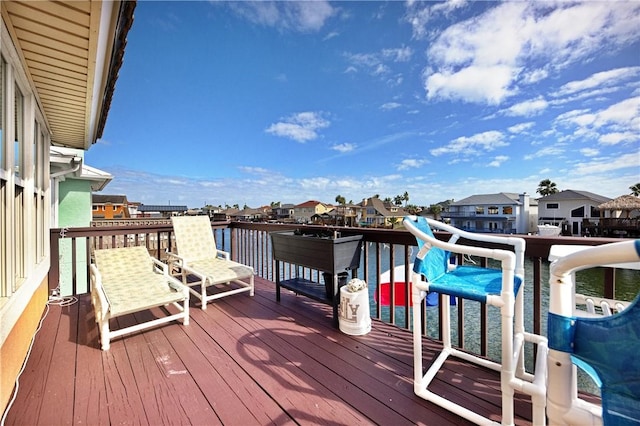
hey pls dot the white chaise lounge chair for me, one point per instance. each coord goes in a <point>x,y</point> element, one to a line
<point>197,255</point>
<point>128,280</point>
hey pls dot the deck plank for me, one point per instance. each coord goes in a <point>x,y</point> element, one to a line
<point>124,403</point>
<point>293,343</point>
<point>278,367</point>
<point>384,394</point>
<point>32,384</point>
<point>243,361</point>
<point>90,375</point>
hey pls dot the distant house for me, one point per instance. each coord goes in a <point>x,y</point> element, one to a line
<point>303,213</point>
<point>160,210</point>
<point>251,215</point>
<point>282,212</point>
<point>505,213</point>
<point>108,207</point>
<point>379,214</point>
<point>570,209</point>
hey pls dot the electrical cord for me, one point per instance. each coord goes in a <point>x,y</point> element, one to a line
<point>54,299</point>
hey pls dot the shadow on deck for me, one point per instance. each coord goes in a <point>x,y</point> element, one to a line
<point>243,361</point>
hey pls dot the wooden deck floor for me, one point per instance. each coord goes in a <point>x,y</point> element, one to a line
<point>243,361</point>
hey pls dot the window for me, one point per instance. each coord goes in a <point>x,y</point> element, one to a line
<point>18,133</point>
<point>493,210</point>
<point>24,181</point>
<point>3,67</point>
<point>479,210</point>
<point>3,226</point>
<point>507,210</point>
<point>579,212</point>
<point>552,205</point>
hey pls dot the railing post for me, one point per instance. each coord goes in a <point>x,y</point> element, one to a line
<point>537,294</point>
<point>54,269</point>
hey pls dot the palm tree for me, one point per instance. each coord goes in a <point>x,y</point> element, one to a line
<point>405,197</point>
<point>635,189</point>
<point>436,209</point>
<point>546,187</point>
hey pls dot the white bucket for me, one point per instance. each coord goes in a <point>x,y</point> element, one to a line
<point>353,312</point>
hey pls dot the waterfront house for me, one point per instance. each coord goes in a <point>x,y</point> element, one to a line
<point>379,214</point>
<point>282,212</point>
<point>505,213</point>
<point>108,207</point>
<point>58,68</point>
<point>571,209</point>
<point>161,210</point>
<point>304,212</point>
<point>252,215</point>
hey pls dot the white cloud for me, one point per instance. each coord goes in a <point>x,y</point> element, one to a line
<point>618,137</point>
<point>487,141</point>
<point>498,160</point>
<point>601,165</point>
<point>332,34</point>
<point>389,106</point>
<point>522,127</point>
<point>527,108</point>
<point>402,54</point>
<point>379,63</point>
<point>477,84</point>
<point>617,123</point>
<point>412,163</point>
<point>599,80</point>
<point>512,35</point>
<point>589,152</point>
<point>547,152</point>
<point>625,113</point>
<point>419,16</point>
<point>302,16</point>
<point>344,147</point>
<point>301,127</point>
<point>253,170</point>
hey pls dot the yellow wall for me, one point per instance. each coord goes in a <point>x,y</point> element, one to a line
<point>15,347</point>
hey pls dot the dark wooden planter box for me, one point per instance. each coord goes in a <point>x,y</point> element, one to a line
<point>330,254</point>
<point>323,253</point>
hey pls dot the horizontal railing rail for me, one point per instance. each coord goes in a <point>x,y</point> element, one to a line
<point>383,250</point>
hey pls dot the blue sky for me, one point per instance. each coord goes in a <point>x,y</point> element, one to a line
<point>254,102</point>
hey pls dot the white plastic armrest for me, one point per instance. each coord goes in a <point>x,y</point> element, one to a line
<point>176,258</point>
<point>161,266</point>
<point>98,290</point>
<point>225,255</point>
<point>457,233</point>
<point>178,286</point>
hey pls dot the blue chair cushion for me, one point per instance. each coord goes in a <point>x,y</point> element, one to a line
<point>469,282</point>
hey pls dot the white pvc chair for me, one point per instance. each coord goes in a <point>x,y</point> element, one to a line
<point>501,288</point>
<point>604,342</point>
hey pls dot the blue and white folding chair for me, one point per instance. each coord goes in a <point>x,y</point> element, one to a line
<point>603,343</point>
<point>502,288</point>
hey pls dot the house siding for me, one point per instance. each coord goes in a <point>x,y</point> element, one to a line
<point>18,339</point>
<point>74,210</point>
